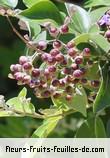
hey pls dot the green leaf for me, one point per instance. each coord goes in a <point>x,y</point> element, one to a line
<point>23,92</point>
<point>48,125</point>
<point>100,41</point>
<point>99,128</point>
<point>82,38</point>
<point>94,3</point>
<point>86,130</point>
<point>38,11</point>
<point>81,21</point>
<point>100,44</point>
<point>94,29</point>
<point>108,128</point>
<point>41,36</point>
<point>30,3</point>
<point>102,100</point>
<point>91,128</point>
<point>98,13</point>
<point>21,103</point>
<point>78,103</point>
<point>93,72</point>
<point>34,27</point>
<point>9,3</point>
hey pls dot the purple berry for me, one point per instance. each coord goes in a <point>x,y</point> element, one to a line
<point>23,59</point>
<point>16,68</point>
<point>26,79</point>
<point>83,80</point>
<point>27,66</point>
<point>77,73</point>
<point>51,60</point>
<point>19,76</point>
<point>52,69</point>
<point>64,62</point>
<point>72,52</point>
<point>57,45</point>
<point>42,45</point>
<point>107,34</point>
<point>62,82</point>
<point>45,56</point>
<point>53,31</point>
<point>54,52</point>
<point>36,72</point>
<point>59,57</point>
<point>46,94</point>
<point>74,66</point>
<point>78,60</point>
<point>55,83</point>
<point>86,52</point>
<point>69,79</point>
<point>83,70</point>
<point>70,44</point>
<point>64,29</point>
<point>12,67</point>
<point>67,71</point>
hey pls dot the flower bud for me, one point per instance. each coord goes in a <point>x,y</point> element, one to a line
<point>78,60</point>
<point>72,52</point>
<point>55,83</point>
<point>54,52</point>
<point>86,52</point>
<point>52,69</point>
<point>107,34</point>
<point>15,68</point>
<point>67,71</point>
<point>74,66</point>
<point>36,72</point>
<point>57,45</point>
<point>19,76</point>
<point>27,79</point>
<point>77,74</point>
<point>53,31</point>
<point>23,59</point>
<point>59,57</point>
<point>45,56</point>
<point>46,94</point>
<point>64,29</point>
<point>27,66</point>
<point>70,44</point>
<point>42,45</point>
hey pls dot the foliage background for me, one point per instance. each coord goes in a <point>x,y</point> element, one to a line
<point>10,50</point>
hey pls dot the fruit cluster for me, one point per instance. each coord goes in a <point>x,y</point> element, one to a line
<point>104,23</point>
<point>64,67</point>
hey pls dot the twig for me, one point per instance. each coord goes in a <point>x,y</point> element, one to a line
<point>15,31</point>
<point>20,36</point>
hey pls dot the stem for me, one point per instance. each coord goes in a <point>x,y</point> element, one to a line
<point>15,31</point>
<point>20,36</point>
<point>33,115</point>
<point>38,116</point>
